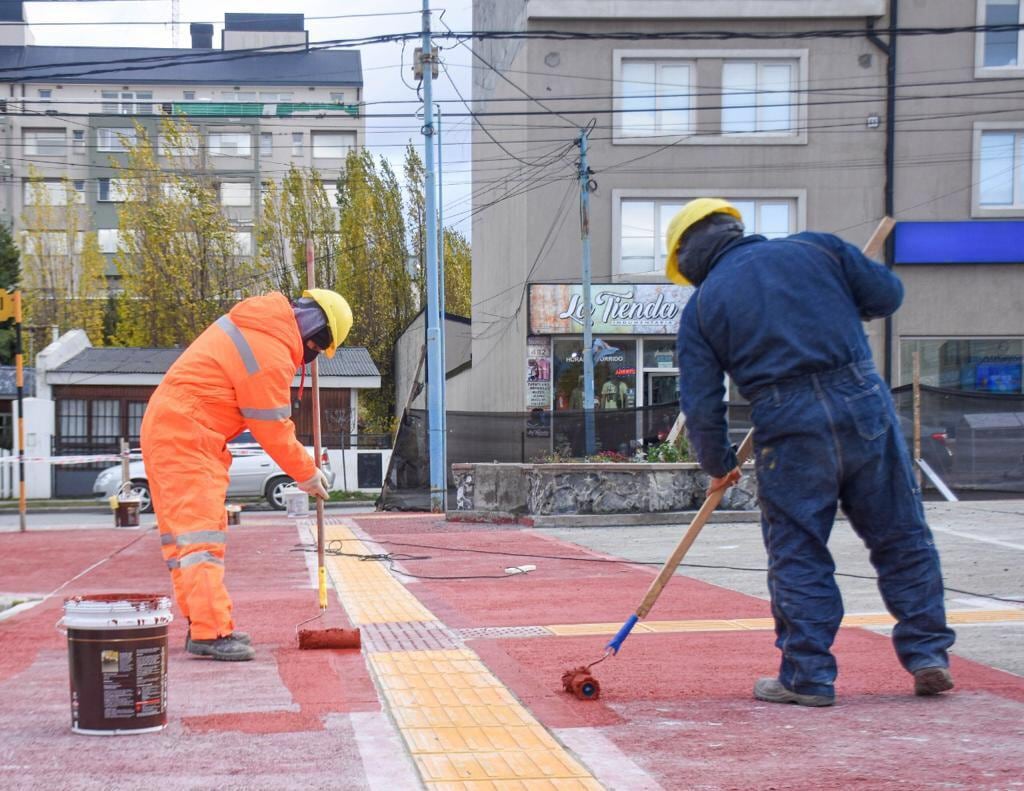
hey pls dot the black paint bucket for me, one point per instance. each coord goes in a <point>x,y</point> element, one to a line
<point>117,661</point>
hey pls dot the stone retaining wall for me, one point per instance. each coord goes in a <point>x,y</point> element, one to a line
<point>515,490</point>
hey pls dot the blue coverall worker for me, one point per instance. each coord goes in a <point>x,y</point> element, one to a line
<point>783,318</point>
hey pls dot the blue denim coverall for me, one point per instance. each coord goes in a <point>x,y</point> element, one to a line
<point>783,319</point>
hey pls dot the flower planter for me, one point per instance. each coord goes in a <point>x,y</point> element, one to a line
<point>514,491</point>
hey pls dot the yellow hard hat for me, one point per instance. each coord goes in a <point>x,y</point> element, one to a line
<point>688,216</point>
<point>339,315</point>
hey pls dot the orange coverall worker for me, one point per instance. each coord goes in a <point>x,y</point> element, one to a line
<point>236,375</point>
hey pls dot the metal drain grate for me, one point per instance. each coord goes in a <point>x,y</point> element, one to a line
<point>502,632</point>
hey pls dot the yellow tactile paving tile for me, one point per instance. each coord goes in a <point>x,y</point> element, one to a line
<point>584,629</point>
<point>464,728</point>
<point>370,592</point>
<point>556,784</point>
<point>743,624</point>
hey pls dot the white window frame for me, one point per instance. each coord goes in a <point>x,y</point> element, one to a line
<point>126,102</point>
<point>1017,208</point>
<point>78,140</point>
<point>108,239</point>
<point>798,218</point>
<point>657,134</point>
<point>266,144</point>
<point>248,97</point>
<point>338,97</point>
<point>231,193</point>
<point>216,152</point>
<point>990,72</point>
<point>113,143</point>
<point>189,146</point>
<point>702,118</point>
<point>320,133</point>
<point>298,144</point>
<point>30,139</point>
<point>242,242</point>
<point>755,97</point>
<point>117,190</point>
<point>276,97</point>
<point>56,193</point>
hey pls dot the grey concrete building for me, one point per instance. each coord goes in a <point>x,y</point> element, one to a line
<point>760,103</point>
<point>68,111</point>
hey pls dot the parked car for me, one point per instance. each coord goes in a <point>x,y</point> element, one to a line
<point>253,474</point>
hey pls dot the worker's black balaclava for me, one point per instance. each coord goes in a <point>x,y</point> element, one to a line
<point>313,326</point>
<point>699,249</point>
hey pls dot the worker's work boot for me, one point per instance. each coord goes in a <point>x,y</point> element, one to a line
<point>225,649</point>
<point>772,691</point>
<point>932,681</point>
<point>242,637</point>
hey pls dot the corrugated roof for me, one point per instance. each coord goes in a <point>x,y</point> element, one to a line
<point>349,361</point>
<point>181,66</point>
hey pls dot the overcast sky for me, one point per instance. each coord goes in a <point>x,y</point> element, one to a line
<point>383,64</point>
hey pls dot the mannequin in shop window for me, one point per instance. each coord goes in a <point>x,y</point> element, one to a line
<point>614,394</point>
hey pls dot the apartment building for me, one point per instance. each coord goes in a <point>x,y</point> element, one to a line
<point>69,112</point>
<point>762,103</point>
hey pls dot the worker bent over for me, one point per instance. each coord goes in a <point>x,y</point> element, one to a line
<point>783,319</point>
<point>236,375</point>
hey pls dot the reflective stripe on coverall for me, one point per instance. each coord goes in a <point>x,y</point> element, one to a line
<point>783,319</point>
<point>236,375</point>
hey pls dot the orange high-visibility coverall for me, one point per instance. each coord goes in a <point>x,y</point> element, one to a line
<point>236,375</point>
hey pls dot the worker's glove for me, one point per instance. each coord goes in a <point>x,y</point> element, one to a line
<point>727,480</point>
<point>316,486</point>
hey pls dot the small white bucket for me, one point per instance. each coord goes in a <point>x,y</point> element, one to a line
<point>117,658</point>
<point>296,501</point>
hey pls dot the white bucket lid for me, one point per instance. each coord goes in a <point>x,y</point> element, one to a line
<point>117,611</point>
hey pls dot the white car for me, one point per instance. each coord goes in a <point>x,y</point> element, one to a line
<point>253,474</point>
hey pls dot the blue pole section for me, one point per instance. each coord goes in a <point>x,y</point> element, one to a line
<point>441,293</point>
<point>588,312</point>
<point>435,332</point>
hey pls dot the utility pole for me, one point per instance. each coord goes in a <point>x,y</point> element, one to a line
<point>442,305</point>
<point>435,329</point>
<point>20,382</point>
<point>588,317</point>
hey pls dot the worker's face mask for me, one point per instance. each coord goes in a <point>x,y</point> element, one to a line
<point>312,324</point>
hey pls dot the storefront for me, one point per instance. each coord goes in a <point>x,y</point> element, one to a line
<point>634,329</point>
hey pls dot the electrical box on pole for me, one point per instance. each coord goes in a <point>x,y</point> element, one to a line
<point>418,60</point>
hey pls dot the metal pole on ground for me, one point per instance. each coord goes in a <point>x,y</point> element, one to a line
<point>435,330</point>
<point>20,381</point>
<point>315,390</point>
<point>588,318</point>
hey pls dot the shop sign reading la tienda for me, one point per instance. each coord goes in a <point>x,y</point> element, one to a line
<point>628,309</point>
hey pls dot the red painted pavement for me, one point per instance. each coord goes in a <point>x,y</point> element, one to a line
<point>280,721</point>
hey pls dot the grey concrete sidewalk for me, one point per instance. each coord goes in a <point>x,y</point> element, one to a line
<point>981,545</point>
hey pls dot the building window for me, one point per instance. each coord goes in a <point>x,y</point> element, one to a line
<point>338,97</point>
<point>186,145</point>
<point>275,97</point>
<point>757,97</point>
<point>78,140</point>
<point>614,374</point>
<point>115,139</point>
<point>188,96</point>
<point>332,145</point>
<point>111,190</point>
<point>230,144</point>
<point>642,224</point>
<point>52,192</point>
<point>136,411</point>
<point>236,193</point>
<point>45,95</point>
<point>266,144</point>
<point>243,243</point>
<point>656,98</point>
<point>1001,170</point>
<point>73,420</point>
<point>106,420</point>
<point>296,144</point>
<point>1003,47</point>
<point>107,238</point>
<point>238,96</point>
<point>985,365</point>
<point>127,102</point>
<point>44,142</point>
